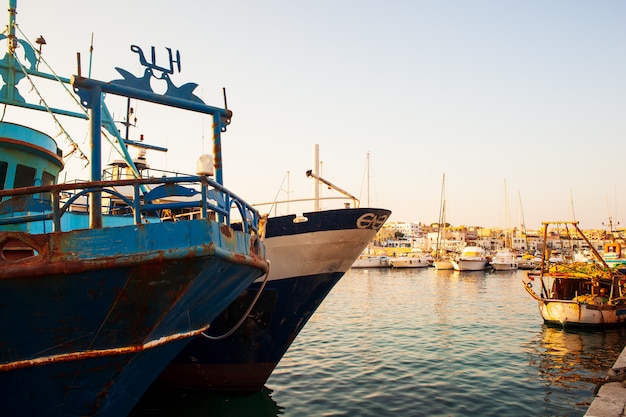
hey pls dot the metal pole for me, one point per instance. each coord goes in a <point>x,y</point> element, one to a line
<point>316,183</point>
<point>95,121</point>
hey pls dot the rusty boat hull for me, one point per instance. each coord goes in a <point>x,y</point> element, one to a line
<point>94,315</point>
<point>307,259</point>
<point>104,281</point>
<point>569,313</point>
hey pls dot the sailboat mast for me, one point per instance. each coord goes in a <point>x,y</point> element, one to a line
<point>368,179</point>
<point>519,196</point>
<point>442,205</point>
<point>507,219</point>
<point>571,202</point>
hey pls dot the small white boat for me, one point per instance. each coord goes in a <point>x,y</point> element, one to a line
<point>415,259</point>
<point>443,263</point>
<point>528,261</point>
<point>504,260</point>
<point>472,258</point>
<point>372,261</point>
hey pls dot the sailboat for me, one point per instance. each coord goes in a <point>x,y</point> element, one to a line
<point>441,261</point>
<point>526,261</point>
<point>505,259</point>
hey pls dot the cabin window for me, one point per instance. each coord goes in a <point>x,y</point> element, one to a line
<point>47,178</point>
<point>24,176</point>
<point>3,174</point>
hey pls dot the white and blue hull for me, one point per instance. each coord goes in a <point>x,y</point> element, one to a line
<point>307,260</point>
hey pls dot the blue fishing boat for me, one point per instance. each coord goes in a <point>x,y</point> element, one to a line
<point>99,287</point>
<point>309,254</point>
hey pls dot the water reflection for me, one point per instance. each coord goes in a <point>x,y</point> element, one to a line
<point>170,402</point>
<point>571,362</point>
<point>421,342</point>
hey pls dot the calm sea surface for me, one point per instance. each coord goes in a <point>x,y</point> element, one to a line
<point>421,342</point>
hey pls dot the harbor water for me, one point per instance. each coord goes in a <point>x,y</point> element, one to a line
<point>421,342</point>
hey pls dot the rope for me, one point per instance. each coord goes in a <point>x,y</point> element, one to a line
<point>75,146</point>
<point>247,312</point>
<point>45,104</point>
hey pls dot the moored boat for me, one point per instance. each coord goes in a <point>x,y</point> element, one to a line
<point>98,292</point>
<point>365,260</point>
<point>504,260</point>
<point>528,261</point>
<point>471,258</point>
<point>413,259</point>
<point>443,263</point>
<point>309,254</point>
<point>613,255</point>
<point>571,294</point>
<point>442,259</point>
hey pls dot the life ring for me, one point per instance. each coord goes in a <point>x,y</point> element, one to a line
<point>502,260</point>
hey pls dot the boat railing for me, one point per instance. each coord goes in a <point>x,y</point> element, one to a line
<point>114,173</point>
<point>127,198</point>
<point>278,205</point>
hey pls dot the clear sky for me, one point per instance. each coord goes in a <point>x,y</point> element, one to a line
<point>529,93</point>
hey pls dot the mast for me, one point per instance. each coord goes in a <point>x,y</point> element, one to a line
<point>442,217</point>
<point>571,202</point>
<point>507,219</point>
<point>316,183</point>
<point>367,162</point>
<point>519,196</point>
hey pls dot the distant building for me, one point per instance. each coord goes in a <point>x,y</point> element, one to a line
<point>419,235</point>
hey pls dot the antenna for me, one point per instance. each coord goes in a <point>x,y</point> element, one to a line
<point>90,56</point>
<point>571,201</point>
<point>368,179</point>
<point>40,41</point>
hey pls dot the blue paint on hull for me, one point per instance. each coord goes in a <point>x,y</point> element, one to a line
<point>77,344</point>
<point>245,360</point>
<point>103,282</point>
<point>327,220</point>
<point>290,304</point>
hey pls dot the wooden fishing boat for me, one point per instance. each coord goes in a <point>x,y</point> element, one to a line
<point>98,290</point>
<point>577,293</point>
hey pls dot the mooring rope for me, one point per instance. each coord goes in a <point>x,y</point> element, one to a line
<point>247,312</point>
